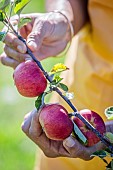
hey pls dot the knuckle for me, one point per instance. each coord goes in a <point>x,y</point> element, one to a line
<point>86,156</point>
<point>32,134</point>
<point>23,127</point>
<point>14,41</point>
<point>5,48</point>
<point>33,35</point>
<point>83,153</point>
<point>77,152</point>
<point>3,60</point>
<point>48,26</point>
<point>46,154</point>
<point>18,57</point>
<point>15,64</point>
<point>9,39</point>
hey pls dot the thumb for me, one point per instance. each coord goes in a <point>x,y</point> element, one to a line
<point>73,147</point>
<point>32,42</point>
<point>77,150</point>
<point>35,38</point>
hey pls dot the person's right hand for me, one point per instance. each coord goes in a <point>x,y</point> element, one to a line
<point>70,147</point>
<point>47,35</point>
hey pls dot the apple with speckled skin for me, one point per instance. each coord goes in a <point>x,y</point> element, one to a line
<point>95,120</point>
<point>55,121</point>
<point>29,79</point>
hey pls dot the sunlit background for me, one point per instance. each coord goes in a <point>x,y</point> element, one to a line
<point>17,152</point>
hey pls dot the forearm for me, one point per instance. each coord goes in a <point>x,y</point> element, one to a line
<point>75,10</point>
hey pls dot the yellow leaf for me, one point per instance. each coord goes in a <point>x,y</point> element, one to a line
<point>58,68</point>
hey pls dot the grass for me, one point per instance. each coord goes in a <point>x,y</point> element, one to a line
<point>17,152</point>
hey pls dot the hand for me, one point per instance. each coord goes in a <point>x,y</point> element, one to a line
<point>70,147</point>
<point>47,35</point>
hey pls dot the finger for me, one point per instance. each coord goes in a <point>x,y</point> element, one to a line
<point>27,122</point>
<point>26,30</point>
<point>31,125</point>
<point>77,150</point>
<point>34,131</point>
<point>5,60</point>
<point>96,147</point>
<point>12,41</point>
<point>35,128</point>
<point>34,41</point>
<point>32,128</point>
<point>41,29</point>
<point>23,32</point>
<point>14,54</point>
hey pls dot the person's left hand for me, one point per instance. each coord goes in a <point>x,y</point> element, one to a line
<point>70,147</point>
<point>46,35</point>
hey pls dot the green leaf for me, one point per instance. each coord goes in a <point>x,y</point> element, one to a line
<point>24,21</point>
<point>80,135</point>
<point>63,87</point>
<point>39,102</point>
<point>19,5</point>
<point>109,113</point>
<point>100,153</point>
<point>109,135</point>
<point>4,4</point>
<point>2,16</point>
<point>58,68</point>
<point>56,80</point>
<point>2,36</point>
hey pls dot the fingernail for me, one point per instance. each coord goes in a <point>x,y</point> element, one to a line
<point>69,142</point>
<point>32,44</point>
<point>20,49</point>
<point>28,58</point>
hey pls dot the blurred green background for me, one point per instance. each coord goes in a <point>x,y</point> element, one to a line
<point>17,152</point>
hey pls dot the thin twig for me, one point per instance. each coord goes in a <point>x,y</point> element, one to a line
<point>104,140</point>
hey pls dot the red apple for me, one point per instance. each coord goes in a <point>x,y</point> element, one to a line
<point>55,121</point>
<point>29,79</point>
<point>95,120</point>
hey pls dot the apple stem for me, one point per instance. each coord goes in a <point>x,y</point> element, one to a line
<point>49,78</point>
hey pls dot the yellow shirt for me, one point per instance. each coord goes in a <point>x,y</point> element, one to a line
<point>90,77</point>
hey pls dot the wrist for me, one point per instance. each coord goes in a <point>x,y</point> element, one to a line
<point>64,6</point>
